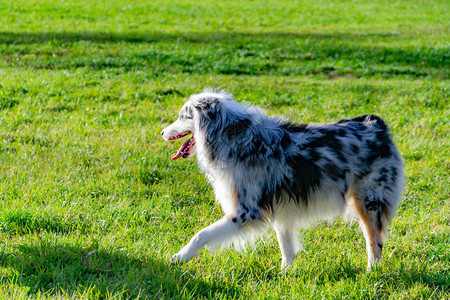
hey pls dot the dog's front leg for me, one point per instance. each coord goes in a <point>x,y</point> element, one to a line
<point>289,245</point>
<point>212,236</point>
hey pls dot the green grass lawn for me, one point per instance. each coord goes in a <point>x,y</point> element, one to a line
<point>93,207</point>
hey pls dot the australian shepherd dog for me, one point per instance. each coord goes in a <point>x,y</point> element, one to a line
<point>270,173</point>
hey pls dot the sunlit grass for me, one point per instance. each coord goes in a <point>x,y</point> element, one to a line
<point>91,204</point>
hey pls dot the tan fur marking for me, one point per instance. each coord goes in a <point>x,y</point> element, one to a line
<point>373,236</point>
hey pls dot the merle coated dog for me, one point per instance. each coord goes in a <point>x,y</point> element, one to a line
<point>267,172</point>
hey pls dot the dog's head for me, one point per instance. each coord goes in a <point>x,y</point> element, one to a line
<point>200,110</point>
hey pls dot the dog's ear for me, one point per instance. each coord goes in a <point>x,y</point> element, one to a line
<point>209,108</point>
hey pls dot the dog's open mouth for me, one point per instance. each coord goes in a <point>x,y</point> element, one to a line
<point>186,147</point>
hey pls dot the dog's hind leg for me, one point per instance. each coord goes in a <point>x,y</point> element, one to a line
<point>376,198</point>
<point>373,222</point>
<point>219,233</point>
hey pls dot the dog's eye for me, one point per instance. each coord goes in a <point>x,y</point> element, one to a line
<point>188,117</point>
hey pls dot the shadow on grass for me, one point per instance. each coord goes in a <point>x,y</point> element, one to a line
<point>437,281</point>
<point>73,271</point>
<point>273,53</point>
<point>187,37</point>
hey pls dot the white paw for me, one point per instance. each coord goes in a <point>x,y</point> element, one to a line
<point>178,258</point>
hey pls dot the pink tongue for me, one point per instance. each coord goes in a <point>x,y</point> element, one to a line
<point>183,149</point>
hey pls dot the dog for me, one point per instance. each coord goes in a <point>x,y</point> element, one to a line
<point>270,173</point>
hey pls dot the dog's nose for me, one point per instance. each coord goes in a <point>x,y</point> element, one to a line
<point>162,132</point>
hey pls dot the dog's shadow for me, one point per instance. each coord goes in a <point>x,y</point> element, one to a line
<point>85,272</point>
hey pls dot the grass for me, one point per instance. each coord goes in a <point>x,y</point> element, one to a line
<point>91,204</point>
